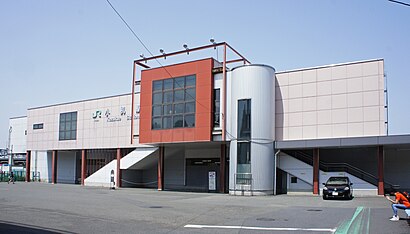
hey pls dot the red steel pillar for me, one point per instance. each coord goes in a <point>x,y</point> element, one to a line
<point>316,171</point>
<point>28,160</point>
<point>222,161</point>
<point>54,167</point>
<point>118,179</point>
<point>83,165</point>
<point>161,169</point>
<point>380,160</point>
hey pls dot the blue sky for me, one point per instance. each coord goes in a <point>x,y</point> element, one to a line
<point>60,51</point>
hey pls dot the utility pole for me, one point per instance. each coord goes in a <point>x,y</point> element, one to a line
<point>9,150</point>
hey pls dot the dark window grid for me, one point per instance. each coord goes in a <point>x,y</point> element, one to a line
<point>293,180</point>
<point>157,110</point>
<point>217,107</point>
<point>167,109</point>
<point>189,120</point>
<point>166,115</point>
<point>167,122</point>
<point>157,85</point>
<point>179,95</point>
<point>190,107</point>
<point>216,120</point>
<point>168,84</point>
<point>190,81</point>
<point>157,123</point>
<point>168,97</point>
<point>244,157</point>
<point>190,94</point>
<point>179,108</point>
<point>74,116</point>
<point>179,83</point>
<point>244,150</point>
<point>38,126</point>
<point>68,126</point>
<point>244,119</point>
<point>177,121</point>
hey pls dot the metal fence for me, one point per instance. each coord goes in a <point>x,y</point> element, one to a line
<point>243,182</point>
<point>18,176</point>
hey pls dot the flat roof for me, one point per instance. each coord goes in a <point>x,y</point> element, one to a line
<point>18,117</point>
<point>84,100</point>
<point>392,140</point>
<point>330,65</point>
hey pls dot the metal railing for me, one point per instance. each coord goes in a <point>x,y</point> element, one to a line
<point>243,182</point>
<point>35,176</point>
<point>335,167</point>
<point>18,176</point>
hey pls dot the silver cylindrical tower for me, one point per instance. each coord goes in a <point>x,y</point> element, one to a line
<point>251,129</point>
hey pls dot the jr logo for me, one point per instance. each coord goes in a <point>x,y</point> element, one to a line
<point>97,114</point>
<point>123,111</point>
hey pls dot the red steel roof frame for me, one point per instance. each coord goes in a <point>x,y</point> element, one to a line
<point>141,62</point>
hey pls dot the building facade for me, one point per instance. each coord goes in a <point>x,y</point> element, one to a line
<point>247,130</point>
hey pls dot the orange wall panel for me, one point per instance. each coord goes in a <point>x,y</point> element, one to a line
<point>203,113</point>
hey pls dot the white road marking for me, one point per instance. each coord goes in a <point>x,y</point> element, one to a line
<point>332,230</point>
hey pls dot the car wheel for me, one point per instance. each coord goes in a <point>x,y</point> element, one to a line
<point>325,197</point>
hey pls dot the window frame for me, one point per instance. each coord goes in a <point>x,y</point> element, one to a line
<point>181,102</point>
<point>68,119</point>
<point>244,124</point>
<point>217,108</point>
<point>38,126</point>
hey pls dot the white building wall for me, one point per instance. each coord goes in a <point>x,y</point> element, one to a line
<point>18,135</point>
<point>102,178</point>
<point>299,186</point>
<point>101,123</point>
<point>41,165</point>
<point>344,100</point>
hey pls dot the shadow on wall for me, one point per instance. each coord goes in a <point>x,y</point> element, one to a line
<point>279,132</point>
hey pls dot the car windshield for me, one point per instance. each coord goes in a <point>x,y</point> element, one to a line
<point>337,180</point>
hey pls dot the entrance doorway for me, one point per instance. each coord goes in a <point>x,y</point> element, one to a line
<point>281,181</point>
<point>197,173</point>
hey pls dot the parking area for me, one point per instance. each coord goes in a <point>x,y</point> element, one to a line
<point>60,208</point>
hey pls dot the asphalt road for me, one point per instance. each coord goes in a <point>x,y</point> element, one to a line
<point>59,208</point>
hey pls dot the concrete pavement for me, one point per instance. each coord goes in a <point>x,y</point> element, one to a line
<point>61,208</point>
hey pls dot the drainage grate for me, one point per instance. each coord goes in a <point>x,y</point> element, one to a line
<point>155,207</point>
<point>314,210</point>
<point>265,219</point>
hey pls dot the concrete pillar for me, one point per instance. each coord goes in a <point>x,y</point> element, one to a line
<point>28,160</point>
<point>83,165</point>
<point>380,166</point>
<point>118,179</point>
<point>222,168</point>
<point>161,169</point>
<point>316,171</point>
<point>54,167</point>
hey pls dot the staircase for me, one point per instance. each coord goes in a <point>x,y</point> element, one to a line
<point>304,171</point>
<point>102,177</point>
<point>342,167</point>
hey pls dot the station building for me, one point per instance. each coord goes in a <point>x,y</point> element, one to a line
<point>207,126</point>
<point>16,145</point>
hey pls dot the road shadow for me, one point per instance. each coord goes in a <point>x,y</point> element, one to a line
<point>16,228</point>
